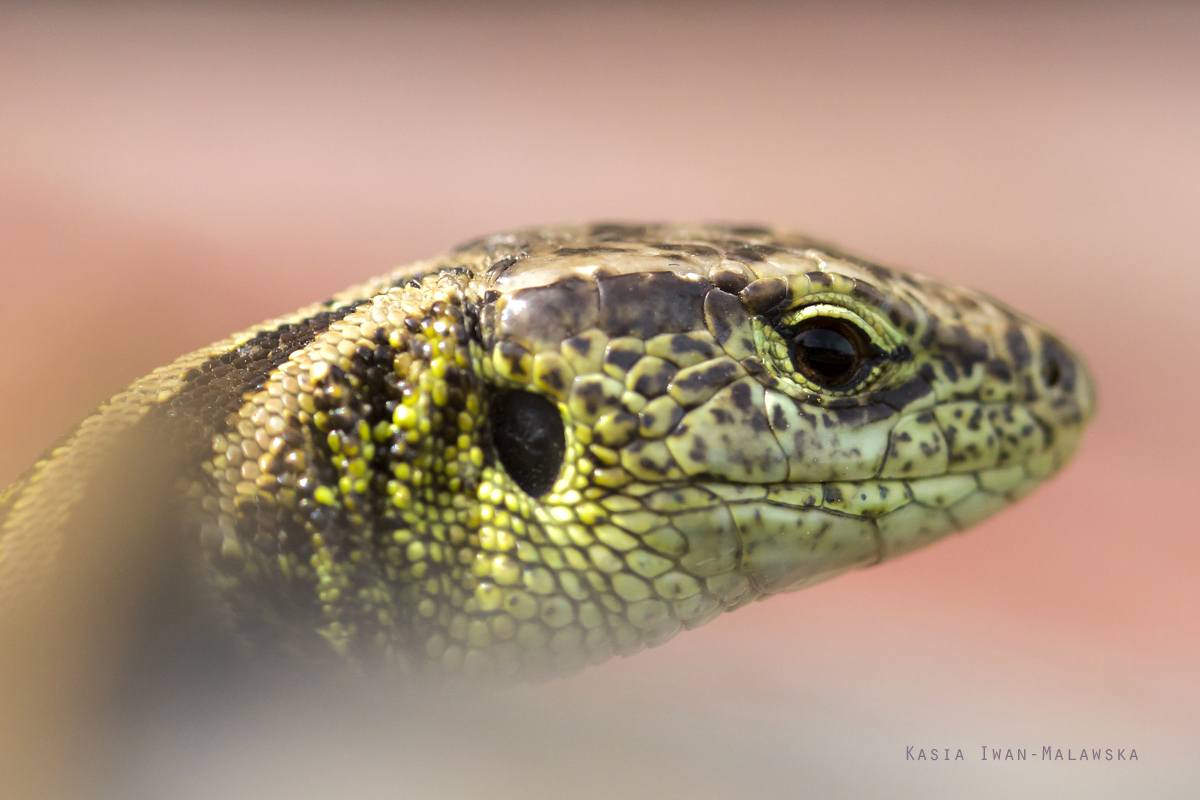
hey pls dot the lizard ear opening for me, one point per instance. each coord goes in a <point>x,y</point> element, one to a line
<point>527,432</point>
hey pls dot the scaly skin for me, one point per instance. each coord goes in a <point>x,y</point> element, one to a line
<point>348,479</point>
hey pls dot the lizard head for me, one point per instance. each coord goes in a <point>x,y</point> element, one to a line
<point>564,443</point>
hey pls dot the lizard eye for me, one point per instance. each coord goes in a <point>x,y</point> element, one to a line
<point>841,348</point>
<point>829,351</point>
<point>527,432</point>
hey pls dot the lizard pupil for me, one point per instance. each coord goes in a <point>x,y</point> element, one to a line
<point>828,351</point>
<point>527,432</point>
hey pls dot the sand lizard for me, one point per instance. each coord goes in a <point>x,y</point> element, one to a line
<point>559,444</point>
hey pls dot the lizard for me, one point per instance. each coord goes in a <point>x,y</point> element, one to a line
<point>555,445</point>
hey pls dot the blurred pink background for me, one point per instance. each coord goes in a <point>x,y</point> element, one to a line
<point>171,173</point>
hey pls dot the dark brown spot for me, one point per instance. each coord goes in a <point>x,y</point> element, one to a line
<point>717,374</point>
<point>724,314</point>
<point>999,370</point>
<point>868,294</point>
<point>624,360</point>
<point>592,393</point>
<point>554,379</point>
<point>1018,348</point>
<point>645,304</point>
<point>549,313</point>
<point>956,343</point>
<point>653,383</point>
<point>513,354</point>
<point>728,280</point>
<point>763,295</point>
<point>779,420</point>
<point>907,393</point>
<point>742,399</point>
<point>861,414</point>
<point>683,344</point>
<point>580,345</point>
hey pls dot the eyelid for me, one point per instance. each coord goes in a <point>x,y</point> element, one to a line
<point>878,329</point>
<point>799,315</point>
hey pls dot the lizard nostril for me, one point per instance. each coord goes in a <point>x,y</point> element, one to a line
<point>528,435</point>
<point>1051,372</point>
<point>1057,367</point>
